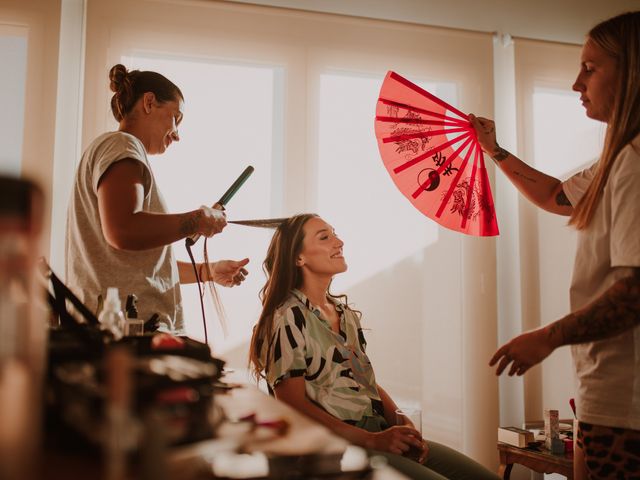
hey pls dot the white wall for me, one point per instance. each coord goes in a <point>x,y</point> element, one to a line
<point>558,21</point>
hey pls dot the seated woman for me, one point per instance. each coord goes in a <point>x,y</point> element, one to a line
<point>309,346</point>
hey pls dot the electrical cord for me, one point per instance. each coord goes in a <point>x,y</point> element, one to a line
<point>188,243</point>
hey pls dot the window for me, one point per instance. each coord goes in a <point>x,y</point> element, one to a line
<point>13,57</point>
<point>307,120</point>
<point>353,184</point>
<point>558,139</point>
<point>29,40</point>
<point>565,139</point>
<point>231,120</point>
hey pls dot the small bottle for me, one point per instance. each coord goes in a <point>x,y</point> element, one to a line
<point>551,428</point>
<point>111,318</point>
<point>134,326</point>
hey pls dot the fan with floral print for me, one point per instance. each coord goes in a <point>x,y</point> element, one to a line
<point>431,151</point>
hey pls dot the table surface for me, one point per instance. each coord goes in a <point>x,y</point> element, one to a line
<point>540,461</point>
<point>303,436</point>
<point>196,461</point>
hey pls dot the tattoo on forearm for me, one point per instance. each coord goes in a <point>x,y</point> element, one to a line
<point>562,200</point>
<point>499,153</point>
<point>189,225</point>
<point>555,329</point>
<point>617,310</point>
<point>523,176</point>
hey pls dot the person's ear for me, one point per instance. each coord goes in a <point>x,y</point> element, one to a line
<point>148,100</point>
<point>299,261</point>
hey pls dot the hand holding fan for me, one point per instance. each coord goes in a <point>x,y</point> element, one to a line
<point>431,151</point>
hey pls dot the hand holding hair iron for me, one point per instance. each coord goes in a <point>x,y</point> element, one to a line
<point>226,196</point>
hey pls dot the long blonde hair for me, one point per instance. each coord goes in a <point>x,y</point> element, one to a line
<point>619,37</point>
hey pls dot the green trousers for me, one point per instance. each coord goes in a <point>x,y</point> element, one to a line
<point>442,463</point>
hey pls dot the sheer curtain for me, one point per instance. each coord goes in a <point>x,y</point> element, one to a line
<point>13,55</point>
<point>295,93</point>
<point>556,137</point>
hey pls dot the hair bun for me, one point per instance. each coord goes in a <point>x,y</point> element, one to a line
<point>118,77</point>
<point>128,86</point>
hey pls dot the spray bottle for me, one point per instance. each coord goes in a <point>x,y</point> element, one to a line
<point>111,318</point>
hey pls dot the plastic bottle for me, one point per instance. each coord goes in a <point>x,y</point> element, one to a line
<point>111,318</point>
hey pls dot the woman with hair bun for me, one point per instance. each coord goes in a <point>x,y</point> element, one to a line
<point>119,233</point>
<point>602,202</point>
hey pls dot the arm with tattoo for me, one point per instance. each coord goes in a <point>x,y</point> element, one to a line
<point>189,222</point>
<point>616,311</point>
<point>543,190</point>
<point>127,226</point>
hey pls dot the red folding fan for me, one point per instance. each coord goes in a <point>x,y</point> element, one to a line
<point>431,151</point>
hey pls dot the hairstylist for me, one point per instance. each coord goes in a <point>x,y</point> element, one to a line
<point>119,233</point>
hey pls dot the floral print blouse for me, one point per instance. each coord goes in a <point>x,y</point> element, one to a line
<point>337,372</point>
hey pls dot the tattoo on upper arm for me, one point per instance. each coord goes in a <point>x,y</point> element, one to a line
<point>523,176</point>
<point>499,153</point>
<point>616,311</point>
<point>562,200</point>
<point>189,225</point>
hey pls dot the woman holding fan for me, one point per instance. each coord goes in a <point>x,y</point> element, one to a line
<point>602,203</point>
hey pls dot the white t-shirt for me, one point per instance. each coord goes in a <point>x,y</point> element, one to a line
<point>608,370</point>
<point>92,265</point>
